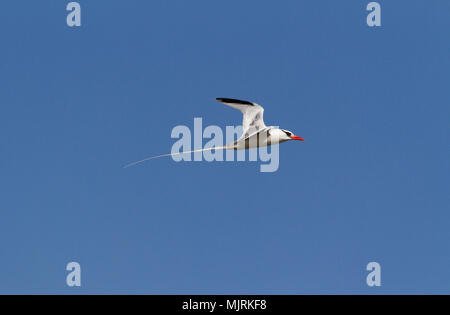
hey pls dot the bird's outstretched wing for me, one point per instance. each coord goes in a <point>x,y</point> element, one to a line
<point>253,114</point>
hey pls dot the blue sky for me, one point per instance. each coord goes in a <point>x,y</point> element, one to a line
<point>370,183</point>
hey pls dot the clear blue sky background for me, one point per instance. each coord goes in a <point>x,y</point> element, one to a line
<point>370,183</point>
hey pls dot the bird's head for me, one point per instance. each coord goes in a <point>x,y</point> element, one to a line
<point>287,135</point>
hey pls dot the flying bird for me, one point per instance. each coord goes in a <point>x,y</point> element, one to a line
<point>254,134</point>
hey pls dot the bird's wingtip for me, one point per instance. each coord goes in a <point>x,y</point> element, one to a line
<point>234,101</point>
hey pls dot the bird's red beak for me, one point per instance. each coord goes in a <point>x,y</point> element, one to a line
<point>297,138</point>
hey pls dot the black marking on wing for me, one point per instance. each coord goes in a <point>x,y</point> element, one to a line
<point>257,117</point>
<point>234,101</point>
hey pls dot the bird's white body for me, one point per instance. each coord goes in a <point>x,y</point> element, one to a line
<point>266,137</point>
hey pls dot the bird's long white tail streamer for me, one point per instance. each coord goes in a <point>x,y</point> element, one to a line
<point>173,154</point>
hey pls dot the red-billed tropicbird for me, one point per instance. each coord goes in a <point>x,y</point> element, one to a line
<point>255,132</point>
